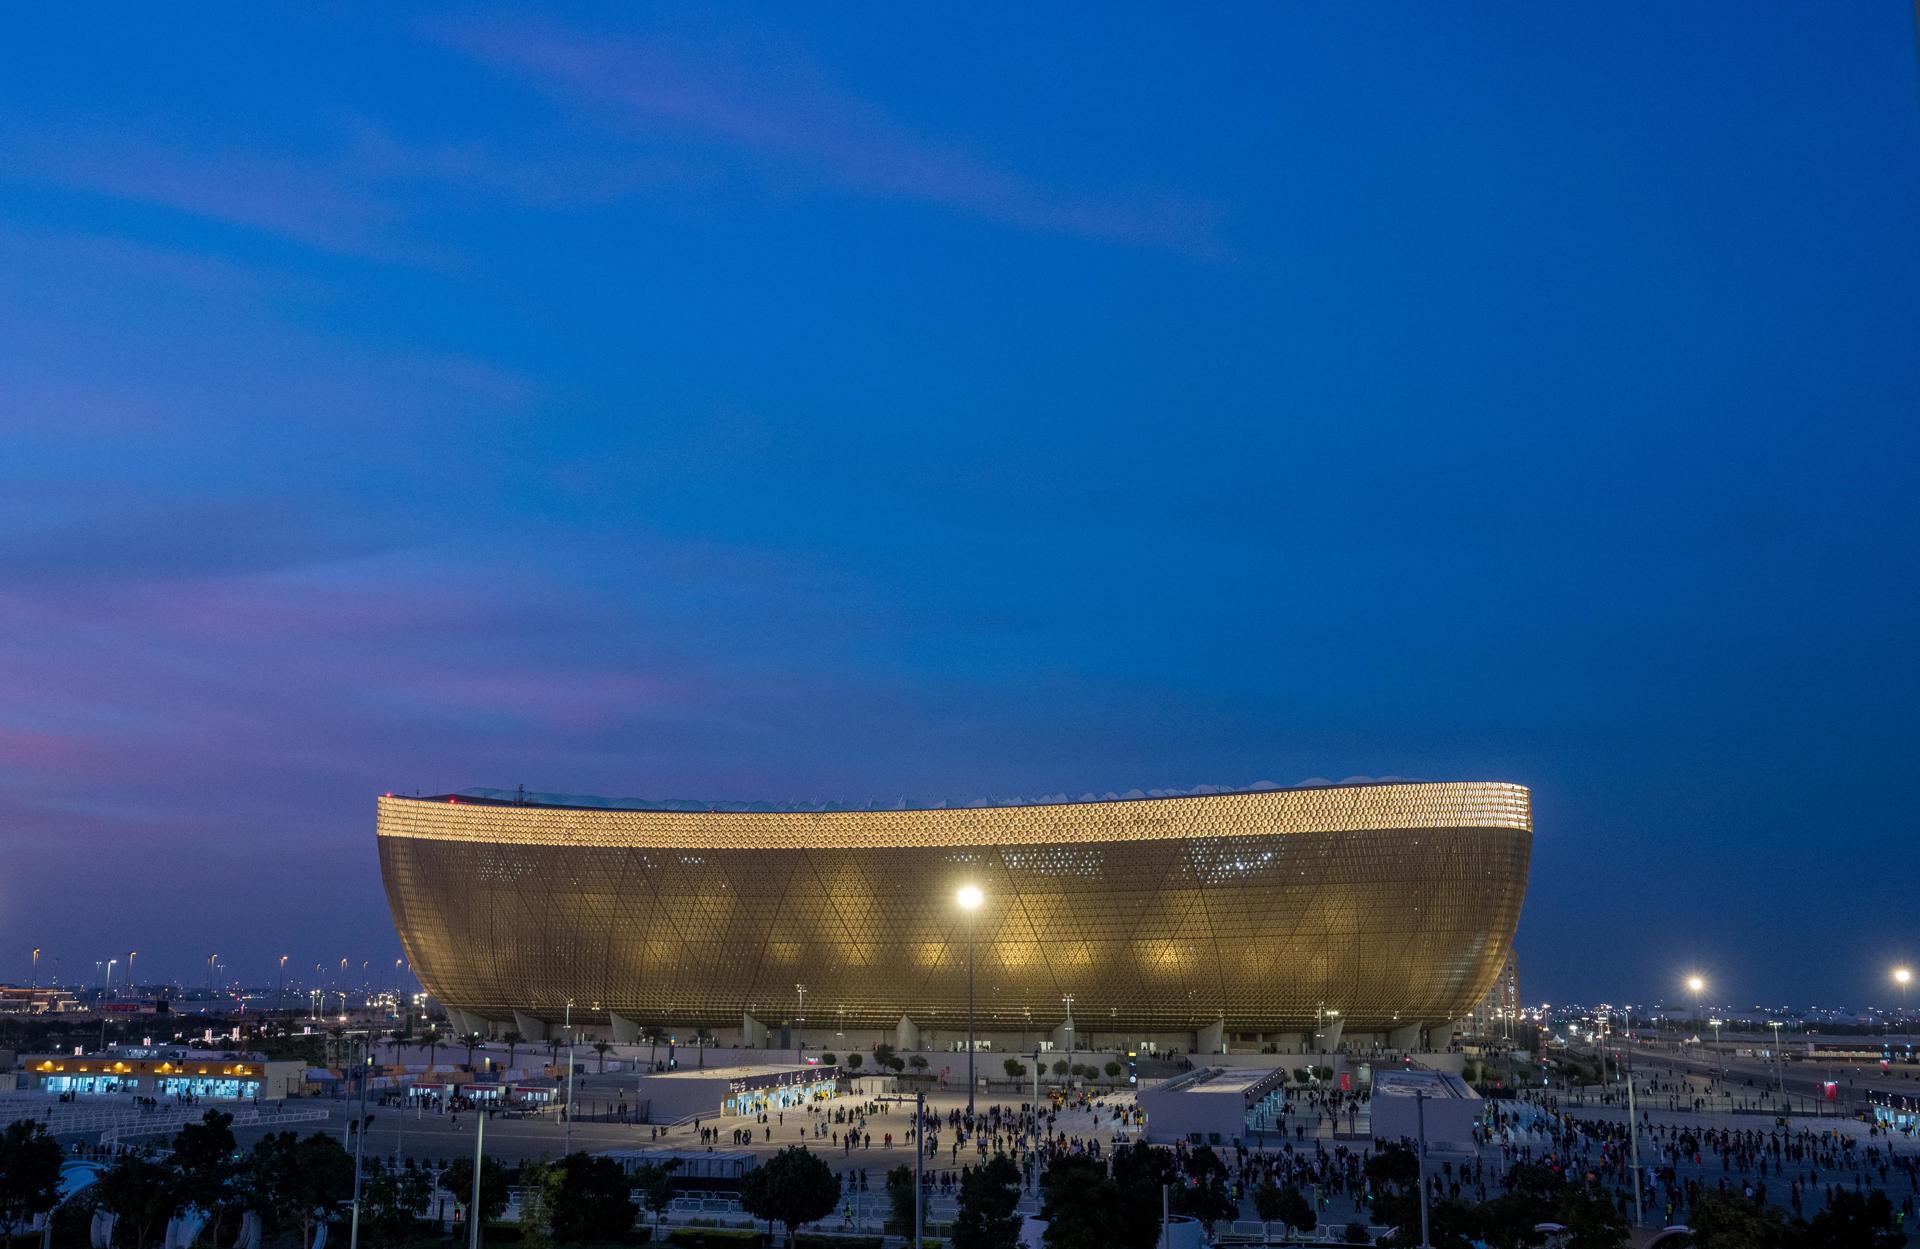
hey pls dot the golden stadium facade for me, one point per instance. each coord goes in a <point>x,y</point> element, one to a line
<point>1251,914</point>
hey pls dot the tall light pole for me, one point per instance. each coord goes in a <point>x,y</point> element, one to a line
<point>1695,984</point>
<point>1902,976</point>
<point>130,956</point>
<point>213,961</point>
<point>1779,1077</point>
<point>108,985</point>
<point>569,1026</point>
<point>33,981</point>
<point>1068,999</point>
<point>800,1022</point>
<point>970,899</point>
<point>1420,1112</point>
<point>479,1157</point>
<point>280,986</point>
<point>360,1140</point>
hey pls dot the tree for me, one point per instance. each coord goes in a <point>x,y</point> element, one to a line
<point>602,1049</point>
<point>900,1201</point>
<point>1731,1221</point>
<point>830,1058</point>
<point>653,1035</point>
<point>291,1182</point>
<point>883,1055</point>
<point>1139,1171</point>
<point>853,1062</point>
<point>457,1179</point>
<point>1287,1206</point>
<point>1394,1164</point>
<point>29,1173</point>
<point>1015,1068</point>
<point>433,1046</point>
<point>1113,1070</point>
<point>918,1062</point>
<point>1854,1220</point>
<point>473,1041</point>
<point>536,1207</point>
<point>792,1187</point>
<point>392,1199</point>
<point>1594,1222</point>
<point>140,1194</point>
<point>1082,1207</point>
<point>1206,1197</point>
<point>1060,1068</point>
<point>204,1167</point>
<point>988,1195</point>
<point>590,1200</point>
<point>653,1181</point>
<point>514,1040</point>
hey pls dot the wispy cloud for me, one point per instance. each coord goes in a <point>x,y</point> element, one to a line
<point>790,113</point>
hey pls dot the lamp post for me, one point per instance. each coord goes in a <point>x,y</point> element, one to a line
<point>569,1027</point>
<point>1068,999</point>
<point>800,1023</point>
<point>1779,1077</point>
<point>130,957</point>
<point>970,899</point>
<point>1694,986</point>
<point>280,986</point>
<point>33,980</point>
<point>1902,976</point>
<point>1420,1113</point>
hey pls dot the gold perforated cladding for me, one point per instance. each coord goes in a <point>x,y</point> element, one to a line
<point>1389,903</point>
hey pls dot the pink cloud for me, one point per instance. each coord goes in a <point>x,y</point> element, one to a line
<point>792,112</point>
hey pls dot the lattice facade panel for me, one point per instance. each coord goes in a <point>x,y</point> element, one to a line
<point>1388,903</point>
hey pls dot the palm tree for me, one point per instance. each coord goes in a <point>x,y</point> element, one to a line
<point>472,1041</point>
<point>653,1043</point>
<point>432,1044</point>
<point>601,1048</point>
<point>513,1040</point>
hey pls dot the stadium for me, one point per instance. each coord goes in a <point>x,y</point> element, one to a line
<point>1246,919</point>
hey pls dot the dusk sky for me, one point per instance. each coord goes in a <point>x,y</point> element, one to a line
<point>863,401</point>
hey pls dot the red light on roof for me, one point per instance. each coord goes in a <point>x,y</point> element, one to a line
<point>451,800</point>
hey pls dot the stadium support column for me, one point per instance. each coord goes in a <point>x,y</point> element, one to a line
<point>530,1028</point>
<point>1405,1039</point>
<point>1211,1039</point>
<point>906,1035</point>
<point>753,1033</point>
<point>1330,1033</point>
<point>625,1031</point>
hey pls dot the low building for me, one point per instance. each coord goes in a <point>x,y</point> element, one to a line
<point>16,1000</point>
<point>1206,1106</point>
<point>1412,1104</point>
<point>166,1072</point>
<point>711,1092</point>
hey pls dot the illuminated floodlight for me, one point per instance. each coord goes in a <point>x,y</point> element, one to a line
<point>970,897</point>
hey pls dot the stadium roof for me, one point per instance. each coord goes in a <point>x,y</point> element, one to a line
<point>525,797</point>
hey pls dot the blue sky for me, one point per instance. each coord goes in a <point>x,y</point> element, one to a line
<point>968,401</point>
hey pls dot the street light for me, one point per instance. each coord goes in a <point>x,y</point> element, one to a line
<point>799,1024</point>
<point>1779,1075</point>
<point>970,899</point>
<point>1902,976</point>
